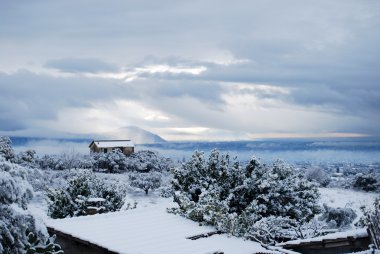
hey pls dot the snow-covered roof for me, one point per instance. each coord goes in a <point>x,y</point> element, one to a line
<point>147,230</point>
<point>112,143</point>
<point>356,233</point>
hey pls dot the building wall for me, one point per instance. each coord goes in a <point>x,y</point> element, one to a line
<point>125,150</point>
<point>73,245</point>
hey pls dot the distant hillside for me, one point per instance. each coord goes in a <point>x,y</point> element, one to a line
<point>136,134</point>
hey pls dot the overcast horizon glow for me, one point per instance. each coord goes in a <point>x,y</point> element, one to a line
<point>190,70</point>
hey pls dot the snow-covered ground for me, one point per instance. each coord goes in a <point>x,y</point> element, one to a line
<point>150,229</point>
<point>335,197</point>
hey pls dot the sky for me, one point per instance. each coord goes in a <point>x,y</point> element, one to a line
<point>190,70</point>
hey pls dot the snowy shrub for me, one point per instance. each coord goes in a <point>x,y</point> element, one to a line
<point>232,197</point>
<point>146,161</point>
<point>38,179</point>
<point>34,245</point>
<point>60,204</point>
<point>72,200</point>
<point>110,162</point>
<point>141,161</point>
<point>15,220</point>
<point>65,161</point>
<point>318,175</point>
<point>371,219</point>
<point>50,162</point>
<point>6,149</point>
<point>338,217</point>
<point>366,182</point>
<point>166,191</point>
<point>145,181</point>
<point>27,158</point>
<point>271,229</point>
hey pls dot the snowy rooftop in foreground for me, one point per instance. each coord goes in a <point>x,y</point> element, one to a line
<point>151,229</point>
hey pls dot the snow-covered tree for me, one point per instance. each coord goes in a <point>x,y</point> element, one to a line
<point>371,219</point>
<point>6,149</point>
<point>338,217</point>
<point>318,175</point>
<point>366,182</point>
<point>15,219</point>
<point>66,160</point>
<point>147,161</point>
<point>234,198</point>
<point>72,200</point>
<point>110,162</point>
<point>27,158</point>
<point>145,181</point>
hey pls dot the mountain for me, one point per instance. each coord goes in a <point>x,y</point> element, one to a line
<point>136,134</point>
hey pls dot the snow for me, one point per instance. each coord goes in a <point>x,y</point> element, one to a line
<point>335,197</point>
<point>150,229</point>
<point>116,143</point>
<point>356,233</point>
<point>96,200</point>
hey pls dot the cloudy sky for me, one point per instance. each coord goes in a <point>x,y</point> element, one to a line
<point>190,70</point>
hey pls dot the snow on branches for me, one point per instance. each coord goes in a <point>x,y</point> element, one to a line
<point>15,219</point>
<point>237,198</point>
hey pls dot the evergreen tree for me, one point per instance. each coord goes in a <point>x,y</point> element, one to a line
<point>15,219</point>
<point>237,198</point>
<point>72,200</point>
<point>6,149</point>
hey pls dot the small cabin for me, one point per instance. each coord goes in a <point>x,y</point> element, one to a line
<point>107,146</point>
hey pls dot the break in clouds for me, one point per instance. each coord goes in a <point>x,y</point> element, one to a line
<point>190,70</point>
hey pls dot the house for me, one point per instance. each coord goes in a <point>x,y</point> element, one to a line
<point>107,146</point>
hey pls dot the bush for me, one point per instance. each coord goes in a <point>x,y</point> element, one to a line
<point>147,161</point>
<point>6,150</point>
<point>318,175</point>
<point>73,200</point>
<point>110,162</point>
<point>233,198</point>
<point>15,220</point>
<point>338,217</point>
<point>366,182</point>
<point>34,245</point>
<point>371,219</point>
<point>65,161</point>
<point>27,158</point>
